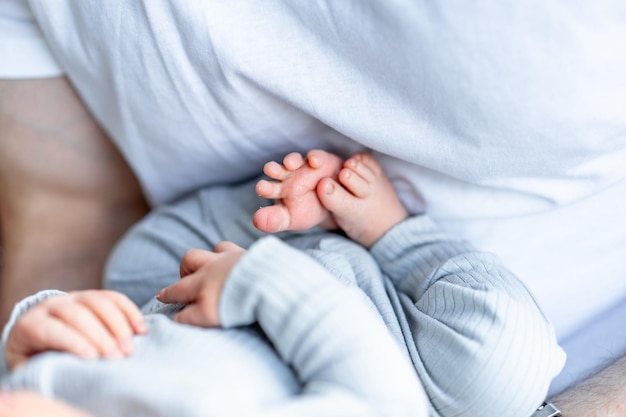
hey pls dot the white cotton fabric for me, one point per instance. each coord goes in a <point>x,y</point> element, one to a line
<point>506,121</point>
<point>24,53</point>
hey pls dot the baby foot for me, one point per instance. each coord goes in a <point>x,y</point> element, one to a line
<point>363,202</point>
<point>297,206</point>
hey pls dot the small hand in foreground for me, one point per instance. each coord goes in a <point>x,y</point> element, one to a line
<point>89,324</point>
<point>203,274</point>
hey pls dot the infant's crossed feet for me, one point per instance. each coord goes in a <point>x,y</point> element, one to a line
<point>322,190</point>
<point>297,206</point>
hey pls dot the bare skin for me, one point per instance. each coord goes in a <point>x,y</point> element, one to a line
<point>66,194</point>
<point>100,324</point>
<point>294,189</point>
<point>362,202</point>
<point>203,274</point>
<point>358,198</point>
<point>602,395</point>
<point>30,404</point>
<point>89,324</point>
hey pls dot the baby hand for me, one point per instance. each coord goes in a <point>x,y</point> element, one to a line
<point>203,274</point>
<point>89,324</point>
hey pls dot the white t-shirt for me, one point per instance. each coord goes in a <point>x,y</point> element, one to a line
<point>505,121</point>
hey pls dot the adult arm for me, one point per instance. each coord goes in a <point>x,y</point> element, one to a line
<point>342,353</point>
<point>66,194</point>
<point>602,395</point>
<point>478,340</point>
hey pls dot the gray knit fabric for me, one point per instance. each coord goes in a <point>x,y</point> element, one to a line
<point>296,343</point>
<point>478,341</point>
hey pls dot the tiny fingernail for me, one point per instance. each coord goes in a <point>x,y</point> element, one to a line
<point>330,187</point>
